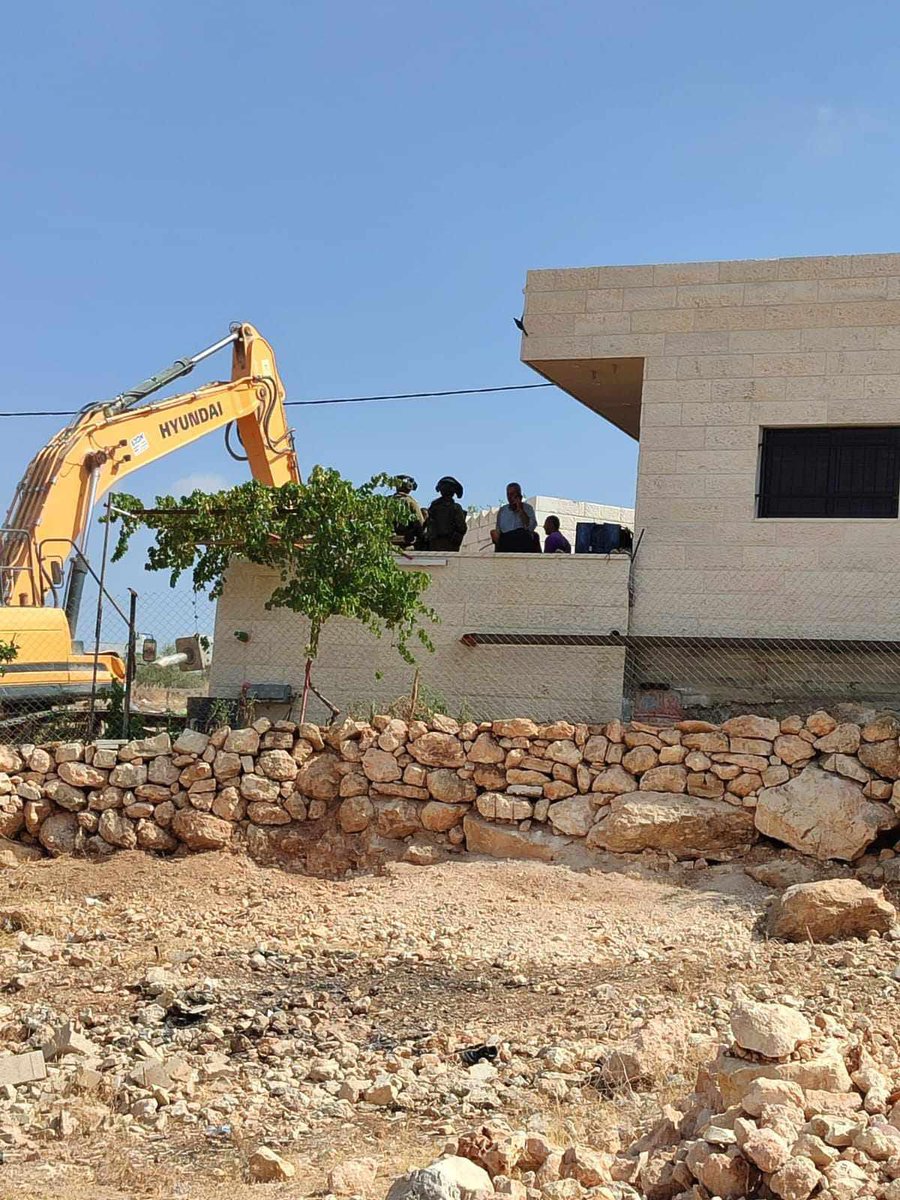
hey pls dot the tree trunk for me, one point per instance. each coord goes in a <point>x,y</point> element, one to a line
<point>306,685</point>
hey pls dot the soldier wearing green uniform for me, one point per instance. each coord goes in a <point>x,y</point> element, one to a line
<point>407,533</point>
<point>445,520</point>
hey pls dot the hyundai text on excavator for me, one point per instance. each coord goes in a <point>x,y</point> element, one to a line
<point>50,515</point>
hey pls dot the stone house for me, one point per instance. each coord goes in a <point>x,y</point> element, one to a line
<point>765,396</point>
<point>766,399</point>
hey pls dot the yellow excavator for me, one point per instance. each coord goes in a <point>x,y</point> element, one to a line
<point>48,521</point>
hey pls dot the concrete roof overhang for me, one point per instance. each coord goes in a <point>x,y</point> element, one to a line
<point>610,387</point>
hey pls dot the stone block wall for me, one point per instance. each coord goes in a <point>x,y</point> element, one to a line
<point>324,799</point>
<point>510,593</point>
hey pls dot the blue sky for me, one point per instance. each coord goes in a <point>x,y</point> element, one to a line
<point>369,182</point>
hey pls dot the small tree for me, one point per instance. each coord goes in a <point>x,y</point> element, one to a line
<point>331,543</point>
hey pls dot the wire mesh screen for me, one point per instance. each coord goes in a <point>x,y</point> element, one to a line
<point>779,630</point>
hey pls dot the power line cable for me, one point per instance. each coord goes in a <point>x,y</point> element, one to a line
<point>514,387</point>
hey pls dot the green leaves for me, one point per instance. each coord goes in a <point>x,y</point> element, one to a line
<point>330,542</point>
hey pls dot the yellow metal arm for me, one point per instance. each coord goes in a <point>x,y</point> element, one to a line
<point>105,443</point>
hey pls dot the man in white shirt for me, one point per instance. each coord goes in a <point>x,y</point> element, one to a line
<point>515,530</point>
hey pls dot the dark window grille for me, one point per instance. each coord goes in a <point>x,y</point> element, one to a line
<point>836,471</point>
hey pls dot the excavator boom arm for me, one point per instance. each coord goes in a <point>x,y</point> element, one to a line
<point>52,507</point>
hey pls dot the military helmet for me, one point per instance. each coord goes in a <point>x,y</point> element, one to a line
<point>405,483</point>
<point>450,482</point>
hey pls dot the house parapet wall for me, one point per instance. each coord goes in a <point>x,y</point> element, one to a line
<point>500,593</point>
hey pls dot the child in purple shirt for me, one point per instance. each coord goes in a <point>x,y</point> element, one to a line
<point>556,543</point>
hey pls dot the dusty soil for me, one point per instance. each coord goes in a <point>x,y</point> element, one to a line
<point>384,972</point>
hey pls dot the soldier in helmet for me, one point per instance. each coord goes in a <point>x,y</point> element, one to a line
<point>407,533</point>
<point>445,520</point>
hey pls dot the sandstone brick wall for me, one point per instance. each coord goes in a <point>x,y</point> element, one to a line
<point>729,348</point>
<point>328,798</point>
<point>507,592</point>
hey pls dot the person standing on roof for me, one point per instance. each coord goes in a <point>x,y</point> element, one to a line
<point>516,528</point>
<point>407,532</point>
<point>445,520</point>
<point>556,542</point>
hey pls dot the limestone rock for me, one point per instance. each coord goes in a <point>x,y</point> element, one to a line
<point>114,827</point>
<point>573,816</point>
<point>749,726</point>
<point>277,764</point>
<point>682,825</point>
<point>508,841</point>
<point>353,1177</point>
<point>320,777</point>
<point>501,806</point>
<point>882,728</point>
<point>263,813</point>
<point>792,749</point>
<point>396,818</point>
<point>190,741</point>
<point>380,766</point>
<point>355,814</point>
<point>671,778</point>
<point>80,775</point>
<point>423,1184</point>
<point>450,787</point>
<point>647,1057</point>
<point>615,780</point>
<point>843,739</point>
<point>773,1030</point>
<point>823,815</point>
<point>640,759</point>
<point>830,908</point>
<point>471,1179</point>
<point>59,833</point>
<point>201,831</point>
<point>589,1167</point>
<point>242,741</point>
<point>256,788</point>
<point>151,837</point>
<point>766,1150</point>
<point>564,751</point>
<point>796,1180</point>
<point>438,750</point>
<point>438,816</point>
<point>594,750</point>
<point>883,757</point>
<point>516,728</point>
<point>486,749</point>
<point>264,1165</point>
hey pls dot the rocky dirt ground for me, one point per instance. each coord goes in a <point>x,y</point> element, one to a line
<point>216,1006</point>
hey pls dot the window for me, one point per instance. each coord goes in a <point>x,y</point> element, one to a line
<point>829,472</point>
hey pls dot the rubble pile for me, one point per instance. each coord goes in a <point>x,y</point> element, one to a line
<point>788,1108</point>
<point>342,795</point>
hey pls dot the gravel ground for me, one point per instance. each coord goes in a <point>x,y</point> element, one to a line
<point>325,1019</point>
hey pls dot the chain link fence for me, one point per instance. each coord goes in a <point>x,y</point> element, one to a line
<point>776,630</point>
<point>703,641</point>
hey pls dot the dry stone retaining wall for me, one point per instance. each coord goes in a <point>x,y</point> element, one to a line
<point>324,799</point>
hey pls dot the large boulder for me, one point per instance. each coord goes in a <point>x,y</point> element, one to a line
<point>508,841</point>
<point>59,833</point>
<point>883,757</point>
<point>772,1030</point>
<point>823,815</point>
<point>450,787</point>
<point>831,908</point>
<point>573,816</point>
<point>320,778</point>
<point>438,750</point>
<point>200,830</point>
<point>682,825</point>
